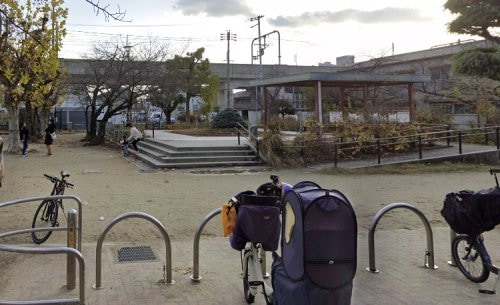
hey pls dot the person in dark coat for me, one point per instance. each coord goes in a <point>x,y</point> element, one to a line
<point>51,128</point>
<point>24,135</point>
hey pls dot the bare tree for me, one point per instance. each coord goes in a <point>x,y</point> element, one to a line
<point>116,80</point>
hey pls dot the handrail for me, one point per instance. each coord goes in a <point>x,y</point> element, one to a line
<point>429,253</point>
<point>249,138</point>
<point>51,250</point>
<point>195,277</point>
<point>55,197</point>
<point>156,222</point>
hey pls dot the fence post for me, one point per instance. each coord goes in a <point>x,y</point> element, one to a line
<point>486,136</point>
<point>378,151</point>
<point>498,138</point>
<point>420,147</point>
<point>239,137</point>
<point>448,135</point>
<point>257,147</point>
<point>153,130</point>
<point>460,142</point>
<point>335,155</point>
<point>70,258</point>
<point>302,151</point>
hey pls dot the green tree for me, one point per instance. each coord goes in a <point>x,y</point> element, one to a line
<point>30,36</point>
<point>481,18</point>
<point>196,79</point>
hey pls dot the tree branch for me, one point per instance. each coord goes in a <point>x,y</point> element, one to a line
<point>118,15</point>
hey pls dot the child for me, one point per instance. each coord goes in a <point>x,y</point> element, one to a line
<point>125,145</point>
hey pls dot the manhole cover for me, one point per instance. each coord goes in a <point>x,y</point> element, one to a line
<point>135,254</point>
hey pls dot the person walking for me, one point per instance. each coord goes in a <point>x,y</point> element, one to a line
<point>24,135</point>
<point>134,135</point>
<point>49,139</point>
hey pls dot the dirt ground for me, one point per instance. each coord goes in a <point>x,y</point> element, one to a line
<point>109,185</point>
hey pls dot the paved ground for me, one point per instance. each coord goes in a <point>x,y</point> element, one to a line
<point>399,257</point>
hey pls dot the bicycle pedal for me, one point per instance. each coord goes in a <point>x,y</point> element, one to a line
<point>255,283</point>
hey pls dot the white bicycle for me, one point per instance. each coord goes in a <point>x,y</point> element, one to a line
<point>253,277</point>
<point>253,255</point>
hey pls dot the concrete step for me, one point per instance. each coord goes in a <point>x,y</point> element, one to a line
<point>160,154</point>
<point>162,151</point>
<point>153,162</point>
<point>192,147</point>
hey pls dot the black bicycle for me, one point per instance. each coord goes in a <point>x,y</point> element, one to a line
<point>471,256</point>
<point>47,212</point>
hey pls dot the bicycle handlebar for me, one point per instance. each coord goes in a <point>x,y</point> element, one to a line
<point>57,180</point>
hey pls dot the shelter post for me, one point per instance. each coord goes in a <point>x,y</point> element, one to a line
<point>411,104</point>
<point>319,113</point>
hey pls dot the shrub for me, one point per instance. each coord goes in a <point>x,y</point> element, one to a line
<point>227,118</point>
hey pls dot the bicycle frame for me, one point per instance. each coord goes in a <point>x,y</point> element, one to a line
<point>252,254</point>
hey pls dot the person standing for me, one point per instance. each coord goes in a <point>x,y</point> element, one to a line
<point>51,129</point>
<point>134,135</point>
<point>24,135</point>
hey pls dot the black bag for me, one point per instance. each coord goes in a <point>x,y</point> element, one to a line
<point>469,212</point>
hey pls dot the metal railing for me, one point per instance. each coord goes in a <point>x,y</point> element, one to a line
<point>156,222</point>
<point>337,148</point>
<point>429,253</point>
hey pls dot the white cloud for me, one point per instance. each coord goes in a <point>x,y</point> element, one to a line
<point>214,8</point>
<point>385,15</point>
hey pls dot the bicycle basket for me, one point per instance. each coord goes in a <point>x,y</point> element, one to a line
<point>258,223</point>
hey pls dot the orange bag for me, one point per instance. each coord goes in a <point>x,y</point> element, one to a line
<point>228,214</point>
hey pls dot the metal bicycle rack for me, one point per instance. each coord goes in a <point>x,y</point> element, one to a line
<point>70,250</point>
<point>58,250</point>
<point>429,253</point>
<point>37,199</point>
<point>156,222</point>
<point>195,277</point>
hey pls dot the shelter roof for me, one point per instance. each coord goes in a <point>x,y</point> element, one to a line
<point>340,79</point>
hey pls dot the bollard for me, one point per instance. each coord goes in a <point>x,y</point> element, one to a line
<point>70,258</point>
<point>452,262</point>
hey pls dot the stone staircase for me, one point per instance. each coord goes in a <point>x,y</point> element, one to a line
<point>160,154</point>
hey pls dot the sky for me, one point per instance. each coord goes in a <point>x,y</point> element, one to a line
<point>300,32</point>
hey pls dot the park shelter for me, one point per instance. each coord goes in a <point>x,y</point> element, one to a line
<point>342,80</point>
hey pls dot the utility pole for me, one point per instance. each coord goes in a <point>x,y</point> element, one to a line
<point>261,74</point>
<point>228,36</point>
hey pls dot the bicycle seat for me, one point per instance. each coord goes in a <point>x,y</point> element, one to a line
<point>64,174</point>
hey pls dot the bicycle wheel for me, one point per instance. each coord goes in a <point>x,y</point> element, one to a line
<point>469,260</point>
<point>45,216</point>
<point>249,297</point>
